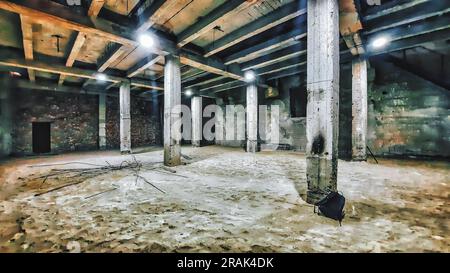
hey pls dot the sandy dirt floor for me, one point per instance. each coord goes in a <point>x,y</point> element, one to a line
<point>222,200</point>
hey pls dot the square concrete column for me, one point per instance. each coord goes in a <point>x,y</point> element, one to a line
<point>172,111</point>
<point>125,118</point>
<point>252,118</point>
<point>196,112</point>
<point>220,121</point>
<point>102,121</point>
<point>323,98</point>
<point>359,109</point>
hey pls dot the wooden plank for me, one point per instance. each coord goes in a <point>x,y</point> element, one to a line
<point>49,12</point>
<point>391,7</point>
<point>414,29</point>
<point>78,44</point>
<point>72,71</point>
<point>111,54</point>
<point>440,35</point>
<point>212,65</point>
<point>276,57</point>
<point>143,64</point>
<point>27,37</point>
<point>297,61</point>
<point>255,51</point>
<point>407,16</point>
<point>275,18</point>
<point>95,7</point>
<point>210,20</point>
<point>159,11</point>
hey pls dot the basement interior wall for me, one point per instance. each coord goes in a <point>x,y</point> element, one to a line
<point>146,127</point>
<point>5,116</point>
<point>74,121</point>
<point>407,115</point>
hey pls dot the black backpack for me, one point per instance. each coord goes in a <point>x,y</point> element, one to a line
<point>332,206</point>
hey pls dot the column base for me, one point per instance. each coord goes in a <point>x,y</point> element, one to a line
<point>125,152</point>
<point>172,156</point>
<point>359,158</point>
<point>252,146</point>
<point>321,176</point>
<point>196,144</point>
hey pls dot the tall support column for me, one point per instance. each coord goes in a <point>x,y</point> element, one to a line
<point>220,122</point>
<point>125,118</point>
<point>196,110</point>
<point>252,118</point>
<point>102,121</point>
<point>359,109</point>
<point>323,98</point>
<point>172,111</point>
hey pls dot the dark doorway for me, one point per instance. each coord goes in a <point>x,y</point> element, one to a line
<point>41,137</point>
<point>298,98</point>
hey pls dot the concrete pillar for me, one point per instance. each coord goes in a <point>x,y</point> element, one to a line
<point>220,121</point>
<point>125,118</point>
<point>196,110</point>
<point>172,111</point>
<point>6,109</point>
<point>102,121</point>
<point>323,98</point>
<point>252,118</point>
<point>359,109</point>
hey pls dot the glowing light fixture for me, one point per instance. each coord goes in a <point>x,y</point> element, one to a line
<point>380,42</point>
<point>188,93</point>
<point>249,76</point>
<point>101,77</point>
<point>146,40</point>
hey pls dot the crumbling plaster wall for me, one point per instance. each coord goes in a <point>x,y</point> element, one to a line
<point>407,114</point>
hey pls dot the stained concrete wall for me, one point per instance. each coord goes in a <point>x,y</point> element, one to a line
<point>5,117</point>
<point>292,129</point>
<point>145,123</point>
<point>407,114</point>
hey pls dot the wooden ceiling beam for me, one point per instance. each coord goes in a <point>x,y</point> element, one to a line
<point>49,12</point>
<point>95,7</point>
<point>258,50</point>
<point>27,37</point>
<point>143,64</point>
<point>93,11</point>
<point>209,21</point>
<point>275,18</point>
<point>399,17</point>
<point>159,10</point>
<point>212,65</point>
<point>73,72</point>
<point>350,26</point>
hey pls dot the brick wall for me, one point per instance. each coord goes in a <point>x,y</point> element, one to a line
<point>73,118</point>
<point>145,125</point>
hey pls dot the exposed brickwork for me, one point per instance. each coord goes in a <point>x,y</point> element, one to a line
<point>145,126</point>
<point>73,118</point>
